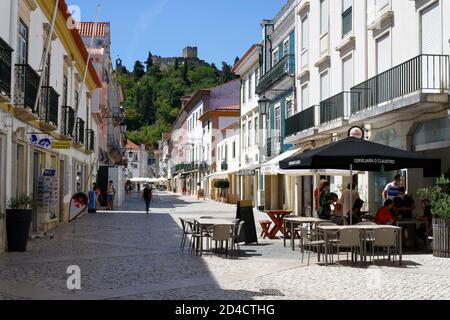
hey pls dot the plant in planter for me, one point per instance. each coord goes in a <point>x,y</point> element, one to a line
<point>18,220</point>
<point>439,197</point>
<point>222,185</point>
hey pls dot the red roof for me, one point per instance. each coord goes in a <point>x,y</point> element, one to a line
<point>86,29</point>
<point>131,145</point>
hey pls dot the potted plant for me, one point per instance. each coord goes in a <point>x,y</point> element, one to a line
<point>222,185</point>
<point>439,197</point>
<point>18,220</point>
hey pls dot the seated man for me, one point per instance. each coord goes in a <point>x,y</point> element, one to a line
<point>384,216</point>
<point>404,204</point>
<point>356,212</point>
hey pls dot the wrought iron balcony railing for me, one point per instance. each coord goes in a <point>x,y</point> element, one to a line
<point>68,121</point>
<point>301,121</point>
<point>337,106</point>
<point>5,68</point>
<point>79,134</point>
<point>284,67</point>
<point>48,106</point>
<point>424,72</point>
<point>90,140</point>
<point>274,146</point>
<point>27,83</point>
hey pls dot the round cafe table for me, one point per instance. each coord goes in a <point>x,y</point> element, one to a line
<point>277,216</point>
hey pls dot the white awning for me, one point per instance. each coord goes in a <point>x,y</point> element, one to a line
<point>272,167</point>
<point>221,175</point>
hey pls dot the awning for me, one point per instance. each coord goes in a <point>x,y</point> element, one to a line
<point>272,167</point>
<point>221,175</point>
<point>248,171</point>
<point>318,172</point>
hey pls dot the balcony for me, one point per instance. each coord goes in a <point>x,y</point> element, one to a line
<point>426,73</point>
<point>285,67</point>
<point>79,133</point>
<point>27,83</point>
<point>301,121</point>
<point>337,107</point>
<point>5,69</point>
<point>90,140</point>
<point>48,109</point>
<point>68,121</point>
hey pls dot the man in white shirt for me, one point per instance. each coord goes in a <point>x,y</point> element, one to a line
<point>344,201</point>
<point>391,189</point>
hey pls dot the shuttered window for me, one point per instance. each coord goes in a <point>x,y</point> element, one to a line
<point>431,30</point>
<point>347,72</point>
<point>384,57</point>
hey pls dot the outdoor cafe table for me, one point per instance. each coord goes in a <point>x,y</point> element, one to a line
<point>363,228</point>
<point>299,220</point>
<point>277,216</point>
<point>207,224</point>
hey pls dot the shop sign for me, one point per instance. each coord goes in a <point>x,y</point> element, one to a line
<point>44,142</point>
<point>61,144</point>
<point>49,173</point>
<point>247,173</point>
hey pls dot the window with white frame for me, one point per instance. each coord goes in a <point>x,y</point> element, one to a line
<point>256,77</point>
<point>250,86</point>
<point>286,45</point>
<point>384,53</point>
<point>243,136</point>
<point>275,57</point>
<point>324,16</point>
<point>249,136</point>
<point>347,17</point>
<point>325,85</point>
<point>277,120</point>
<point>305,96</point>
<point>256,130</point>
<point>347,73</point>
<point>431,29</point>
<point>244,91</point>
<point>289,108</point>
<point>305,32</point>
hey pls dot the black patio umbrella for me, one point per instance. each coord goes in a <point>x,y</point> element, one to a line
<point>361,155</point>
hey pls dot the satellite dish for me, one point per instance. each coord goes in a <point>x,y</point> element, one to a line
<point>78,205</point>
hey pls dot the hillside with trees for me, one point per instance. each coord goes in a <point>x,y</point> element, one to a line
<point>153,92</point>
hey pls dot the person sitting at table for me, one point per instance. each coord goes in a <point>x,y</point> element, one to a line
<point>338,213</point>
<point>384,216</point>
<point>356,212</point>
<point>403,207</point>
<point>404,204</point>
<point>325,202</point>
<point>423,232</point>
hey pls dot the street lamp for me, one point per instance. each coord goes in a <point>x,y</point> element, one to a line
<point>264,105</point>
<point>123,127</point>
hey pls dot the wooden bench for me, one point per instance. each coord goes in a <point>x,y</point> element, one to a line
<point>265,225</point>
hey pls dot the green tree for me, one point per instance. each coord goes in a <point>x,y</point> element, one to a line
<point>227,74</point>
<point>138,71</point>
<point>149,61</point>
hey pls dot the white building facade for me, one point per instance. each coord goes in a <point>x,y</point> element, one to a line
<point>381,65</point>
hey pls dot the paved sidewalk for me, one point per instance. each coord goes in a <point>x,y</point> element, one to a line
<point>130,255</point>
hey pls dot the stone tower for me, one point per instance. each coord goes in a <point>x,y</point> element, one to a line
<point>190,52</point>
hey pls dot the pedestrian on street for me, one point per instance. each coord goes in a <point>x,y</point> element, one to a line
<point>111,194</point>
<point>96,190</point>
<point>147,197</point>
<point>139,187</point>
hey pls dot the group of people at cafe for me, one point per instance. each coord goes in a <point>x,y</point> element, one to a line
<point>397,206</point>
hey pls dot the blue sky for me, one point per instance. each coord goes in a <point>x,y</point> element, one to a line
<point>221,29</point>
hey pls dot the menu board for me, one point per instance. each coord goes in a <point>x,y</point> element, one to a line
<point>47,197</point>
<point>245,213</point>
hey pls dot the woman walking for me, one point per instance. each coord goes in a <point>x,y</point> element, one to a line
<point>110,194</point>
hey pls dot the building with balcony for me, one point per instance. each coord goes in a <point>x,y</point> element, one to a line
<point>108,115</point>
<point>44,104</point>
<point>379,65</point>
<point>249,69</point>
<point>196,133</point>
<point>277,86</point>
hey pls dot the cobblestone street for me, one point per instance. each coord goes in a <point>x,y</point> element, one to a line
<point>129,255</point>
